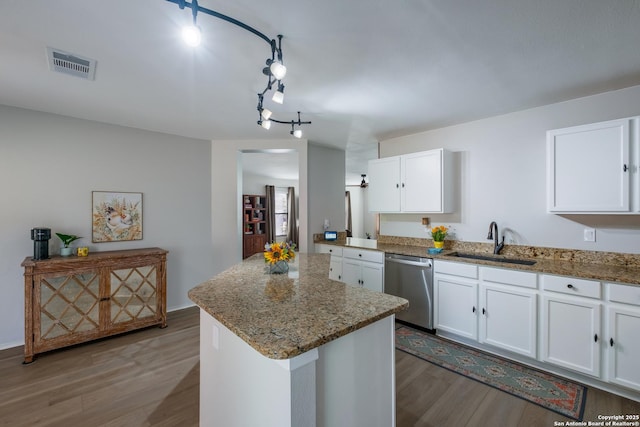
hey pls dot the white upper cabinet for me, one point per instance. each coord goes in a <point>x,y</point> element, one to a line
<point>593,168</point>
<point>384,184</point>
<point>417,182</point>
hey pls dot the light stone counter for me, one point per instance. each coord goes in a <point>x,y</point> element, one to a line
<point>601,266</point>
<point>282,316</point>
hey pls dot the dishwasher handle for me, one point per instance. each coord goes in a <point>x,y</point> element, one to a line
<point>423,264</point>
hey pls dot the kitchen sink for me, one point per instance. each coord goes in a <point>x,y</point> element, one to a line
<point>492,258</point>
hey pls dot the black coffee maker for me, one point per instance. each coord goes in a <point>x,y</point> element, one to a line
<point>40,237</point>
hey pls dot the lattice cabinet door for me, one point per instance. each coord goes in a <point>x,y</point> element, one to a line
<point>69,306</point>
<point>134,294</point>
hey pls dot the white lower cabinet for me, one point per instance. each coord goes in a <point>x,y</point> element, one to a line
<point>571,317</point>
<point>623,346</point>
<point>509,310</point>
<point>508,318</point>
<point>363,268</point>
<point>565,322</point>
<point>456,298</point>
<point>335,268</point>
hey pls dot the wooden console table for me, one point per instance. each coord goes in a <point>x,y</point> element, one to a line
<point>71,300</point>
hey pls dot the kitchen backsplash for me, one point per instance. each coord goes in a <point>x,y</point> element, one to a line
<point>515,251</point>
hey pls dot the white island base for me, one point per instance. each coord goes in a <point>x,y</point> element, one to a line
<point>349,381</point>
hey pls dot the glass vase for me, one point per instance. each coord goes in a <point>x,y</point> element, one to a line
<point>279,267</point>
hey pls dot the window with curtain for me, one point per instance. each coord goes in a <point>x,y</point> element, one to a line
<point>281,213</point>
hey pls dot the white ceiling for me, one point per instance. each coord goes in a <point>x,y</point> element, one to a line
<point>361,70</point>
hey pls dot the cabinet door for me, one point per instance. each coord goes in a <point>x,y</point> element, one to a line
<point>372,276</point>
<point>421,187</point>
<point>508,318</point>
<point>588,168</point>
<point>134,294</point>
<point>456,305</point>
<point>384,185</point>
<point>69,307</point>
<point>335,268</point>
<point>624,346</point>
<point>571,333</point>
<point>351,271</point>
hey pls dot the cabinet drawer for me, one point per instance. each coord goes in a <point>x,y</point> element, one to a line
<point>571,286</point>
<point>329,249</point>
<point>525,279</point>
<point>372,256</point>
<point>625,294</point>
<point>456,269</point>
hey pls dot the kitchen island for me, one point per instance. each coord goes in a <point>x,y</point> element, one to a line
<point>296,349</point>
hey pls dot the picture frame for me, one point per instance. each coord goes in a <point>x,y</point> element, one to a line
<point>116,216</point>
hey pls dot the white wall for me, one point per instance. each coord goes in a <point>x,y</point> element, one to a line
<point>502,177</point>
<point>227,188</point>
<point>254,184</point>
<point>326,189</point>
<point>362,220</point>
<point>49,165</point>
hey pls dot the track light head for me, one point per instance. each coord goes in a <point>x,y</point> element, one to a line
<point>278,70</point>
<point>266,124</point>
<point>278,96</point>
<point>275,68</point>
<point>191,35</point>
<point>297,133</point>
<point>265,113</point>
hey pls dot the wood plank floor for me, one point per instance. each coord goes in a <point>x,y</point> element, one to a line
<point>151,377</point>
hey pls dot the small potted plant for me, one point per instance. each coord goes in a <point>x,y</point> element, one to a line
<point>67,239</point>
<point>438,234</point>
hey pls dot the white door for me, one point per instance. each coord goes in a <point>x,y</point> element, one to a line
<point>456,306</point>
<point>372,276</point>
<point>351,271</point>
<point>422,182</point>
<point>508,318</point>
<point>571,333</point>
<point>384,185</point>
<point>335,268</point>
<point>588,168</point>
<point>624,346</point>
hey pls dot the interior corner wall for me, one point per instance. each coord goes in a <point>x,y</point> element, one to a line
<point>326,189</point>
<point>50,164</point>
<point>501,176</point>
<point>226,194</point>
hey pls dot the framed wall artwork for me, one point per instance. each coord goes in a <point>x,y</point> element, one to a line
<point>117,216</point>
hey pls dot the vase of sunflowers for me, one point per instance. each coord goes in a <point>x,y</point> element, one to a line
<point>278,256</point>
<point>438,234</point>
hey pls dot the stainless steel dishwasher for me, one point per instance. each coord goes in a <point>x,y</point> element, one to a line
<point>411,278</point>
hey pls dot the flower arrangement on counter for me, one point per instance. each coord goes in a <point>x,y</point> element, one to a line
<point>274,252</point>
<point>439,233</point>
<point>278,256</point>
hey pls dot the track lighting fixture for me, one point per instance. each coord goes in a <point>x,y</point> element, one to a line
<point>275,69</point>
<point>364,184</point>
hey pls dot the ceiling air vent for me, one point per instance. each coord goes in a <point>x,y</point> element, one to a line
<point>69,63</point>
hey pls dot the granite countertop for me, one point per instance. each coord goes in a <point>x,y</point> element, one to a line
<point>601,266</point>
<point>282,316</point>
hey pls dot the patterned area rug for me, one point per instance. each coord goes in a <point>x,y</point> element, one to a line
<point>550,392</point>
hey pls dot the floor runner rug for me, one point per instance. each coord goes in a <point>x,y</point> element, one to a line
<point>549,391</point>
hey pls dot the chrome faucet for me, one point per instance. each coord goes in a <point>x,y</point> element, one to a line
<point>496,247</point>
